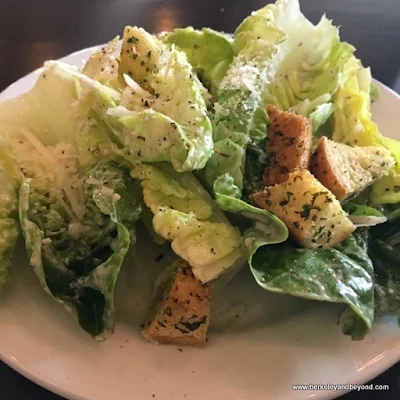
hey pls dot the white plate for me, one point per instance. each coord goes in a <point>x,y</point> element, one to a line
<point>260,343</point>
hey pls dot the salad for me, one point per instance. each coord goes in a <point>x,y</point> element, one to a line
<point>254,149</point>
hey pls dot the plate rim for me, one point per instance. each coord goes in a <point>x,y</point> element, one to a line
<point>385,363</point>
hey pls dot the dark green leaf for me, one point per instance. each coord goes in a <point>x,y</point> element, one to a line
<point>340,275</point>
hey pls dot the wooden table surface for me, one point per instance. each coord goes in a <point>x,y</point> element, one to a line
<point>32,31</point>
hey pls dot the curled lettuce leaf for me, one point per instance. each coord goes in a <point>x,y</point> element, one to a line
<point>352,123</point>
<point>77,261</point>
<point>340,275</point>
<point>387,189</point>
<point>151,136</point>
<point>284,60</point>
<point>68,94</point>
<point>240,110</point>
<point>103,66</point>
<point>77,233</point>
<point>265,229</point>
<point>166,102</point>
<point>9,230</point>
<point>184,214</point>
<point>209,52</point>
<point>199,232</point>
<point>256,162</point>
<point>319,110</point>
<point>363,216</point>
<point>384,249</point>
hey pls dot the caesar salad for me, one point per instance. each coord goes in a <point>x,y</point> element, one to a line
<point>254,149</point>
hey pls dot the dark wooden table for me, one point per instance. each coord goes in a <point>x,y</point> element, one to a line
<point>34,31</point>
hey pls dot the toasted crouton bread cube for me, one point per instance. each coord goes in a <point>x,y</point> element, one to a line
<point>182,311</point>
<point>310,211</point>
<point>289,145</point>
<point>347,170</point>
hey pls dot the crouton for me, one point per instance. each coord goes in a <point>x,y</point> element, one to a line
<point>289,145</point>
<point>182,311</point>
<point>311,212</point>
<point>347,170</point>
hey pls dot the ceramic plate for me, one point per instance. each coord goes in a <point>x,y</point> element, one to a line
<point>260,343</point>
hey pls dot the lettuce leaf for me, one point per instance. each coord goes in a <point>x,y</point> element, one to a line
<point>209,52</point>
<point>77,261</point>
<point>68,94</point>
<point>387,189</point>
<point>184,214</point>
<point>9,229</point>
<point>352,123</point>
<point>340,275</point>
<point>384,249</point>
<point>166,104</point>
<point>284,60</point>
<point>265,228</point>
<point>76,212</point>
<point>255,164</point>
<point>103,66</point>
<point>363,216</point>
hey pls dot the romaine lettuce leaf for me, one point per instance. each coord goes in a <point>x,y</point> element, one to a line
<point>340,275</point>
<point>77,261</point>
<point>57,107</point>
<point>200,233</point>
<point>319,110</point>
<point>151,136</point>
<point>184,214</point>
<point>362,216</point>
<point>9,230</point>
<point>384,249</point>
<point>265,229</point>
<point>387,189</point>
<point>284,60</point>
<point>76,223</point>
<point>256,162</point>
<point>103,66</point>
<point>352,123</point>
<point>166,102</point>
<point>209,52</point>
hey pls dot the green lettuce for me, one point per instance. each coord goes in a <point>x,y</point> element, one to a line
<point>265,227</point>
<point>340,275</point>
<point>77,261</point>
<point>319,110</point>
<point>255,164</point>
<point>387,189</point>
<point>209,52</point>
<point>76,212</point>
<point>363,216</point>
<point>352,123</point>
<point>200,233</point>
<point>384,249</point>
<point>68,94</point>
<point>9,229</point>
<point>103,66</point>
<point>163,115</point>
<point>284,60</point>
<point>185,215</point>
